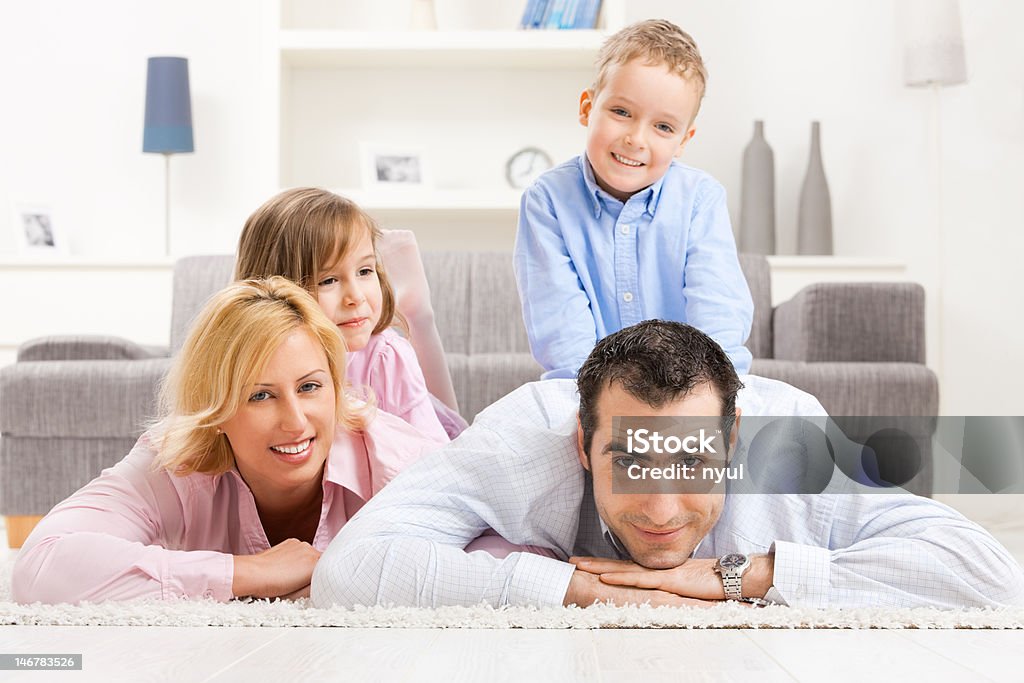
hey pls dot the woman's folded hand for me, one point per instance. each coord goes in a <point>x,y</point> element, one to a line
<point>282,571</point>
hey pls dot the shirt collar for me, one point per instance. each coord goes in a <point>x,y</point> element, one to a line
<point>348,463</point>
<point>650,196</point>
<point>594,192</point>
<point>613,540</point>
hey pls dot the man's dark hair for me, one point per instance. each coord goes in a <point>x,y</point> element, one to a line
<point>656,361</point>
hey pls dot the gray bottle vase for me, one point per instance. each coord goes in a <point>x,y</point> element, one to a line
<point>814,224</point>
<point>757,197</point>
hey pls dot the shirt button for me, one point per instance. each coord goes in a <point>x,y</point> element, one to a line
<point>624,229</point>
<point>627,297</point>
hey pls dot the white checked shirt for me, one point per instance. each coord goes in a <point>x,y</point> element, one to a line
<point>516,470</point>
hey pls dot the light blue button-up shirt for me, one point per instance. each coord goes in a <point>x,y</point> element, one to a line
<point>588,265</point>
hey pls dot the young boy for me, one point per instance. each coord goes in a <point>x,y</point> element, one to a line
<point>624,232</point>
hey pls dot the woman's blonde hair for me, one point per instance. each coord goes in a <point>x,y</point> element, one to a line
<point>299,232</point>
<point>228,346</point>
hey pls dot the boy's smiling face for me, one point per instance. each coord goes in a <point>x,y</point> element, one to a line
<point>636,124</point>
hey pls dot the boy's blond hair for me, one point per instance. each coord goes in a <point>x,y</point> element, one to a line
<point>655,41</point>
<point>228,346</point>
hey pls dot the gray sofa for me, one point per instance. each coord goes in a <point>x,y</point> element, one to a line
<point>71,406</point>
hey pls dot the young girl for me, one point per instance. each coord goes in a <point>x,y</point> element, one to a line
<point>329,246</point>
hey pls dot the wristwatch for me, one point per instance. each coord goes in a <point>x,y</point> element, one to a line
<point>731,568</point>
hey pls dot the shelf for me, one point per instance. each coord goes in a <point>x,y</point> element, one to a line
<point>790,274</point>
<point>69,262</point>
<point>406,199</point>
<point>463,49</point>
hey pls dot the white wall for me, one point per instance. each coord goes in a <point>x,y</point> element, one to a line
<point>72,83</point>
<point>72,79</point>
<point>789,62</point>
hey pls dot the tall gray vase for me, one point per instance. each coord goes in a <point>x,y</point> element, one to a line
<point>757,198</point>
<point>814,224</point>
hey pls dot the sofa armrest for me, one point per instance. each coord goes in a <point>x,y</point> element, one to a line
<point>83,399</point>
<point>86,347</point>
<point>870,389</point>
<point>860,388</point>
<point>852,322</point>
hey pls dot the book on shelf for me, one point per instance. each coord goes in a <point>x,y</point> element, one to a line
<point>533,14</point>
<point>586,16</point>
<point>560,14</point>
<point>553,15</point>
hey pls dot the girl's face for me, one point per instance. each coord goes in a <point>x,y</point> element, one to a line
<point>349,293</point>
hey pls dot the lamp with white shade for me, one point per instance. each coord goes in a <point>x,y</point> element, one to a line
<point>933,58</point>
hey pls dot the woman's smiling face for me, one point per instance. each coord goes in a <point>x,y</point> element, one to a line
<point>283,431</point>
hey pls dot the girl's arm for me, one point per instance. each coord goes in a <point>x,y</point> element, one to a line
<point>401,257</point>
<point>397,380</point>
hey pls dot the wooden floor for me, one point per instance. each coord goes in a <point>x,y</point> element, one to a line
<point>266,655</point>
<point>278,654</point>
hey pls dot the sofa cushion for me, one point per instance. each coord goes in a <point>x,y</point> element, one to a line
<point>196,279</point>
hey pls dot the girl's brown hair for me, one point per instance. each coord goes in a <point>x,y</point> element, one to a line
<point>299,232</point>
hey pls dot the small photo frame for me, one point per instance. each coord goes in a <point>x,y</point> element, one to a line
<point>390,166</point>
<point>37,231</point>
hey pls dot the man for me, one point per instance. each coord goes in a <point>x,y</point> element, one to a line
<point>539,467</point>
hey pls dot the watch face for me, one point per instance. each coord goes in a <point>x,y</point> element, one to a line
<point>525,165</point>
<point>733,561</point>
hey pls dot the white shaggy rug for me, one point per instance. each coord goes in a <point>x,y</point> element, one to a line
<point>299,613</point>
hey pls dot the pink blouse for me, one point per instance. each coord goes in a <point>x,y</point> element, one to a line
<point>388,365</point>
<point>136,531</point>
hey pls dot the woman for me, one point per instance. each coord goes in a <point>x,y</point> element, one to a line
<point>258,461</point>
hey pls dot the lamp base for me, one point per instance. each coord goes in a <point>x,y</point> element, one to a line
<point>167,204</point>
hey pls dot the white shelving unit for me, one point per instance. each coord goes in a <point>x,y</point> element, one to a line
<point>464,49</point>
<point>467,98</point>
<point>790,274</point>
<point>500,199</point>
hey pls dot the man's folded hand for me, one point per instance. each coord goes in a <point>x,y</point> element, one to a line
<point>586,588</point>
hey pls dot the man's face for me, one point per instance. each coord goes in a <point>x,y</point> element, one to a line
<point>660,530</point>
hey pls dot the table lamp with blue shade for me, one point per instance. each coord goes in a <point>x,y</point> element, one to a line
<point>168,126</point>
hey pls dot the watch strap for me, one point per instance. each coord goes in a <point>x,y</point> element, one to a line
<point>732,581</point>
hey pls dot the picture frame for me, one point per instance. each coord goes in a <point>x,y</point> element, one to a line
<point>37,231</point>
<point>394,167</point>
